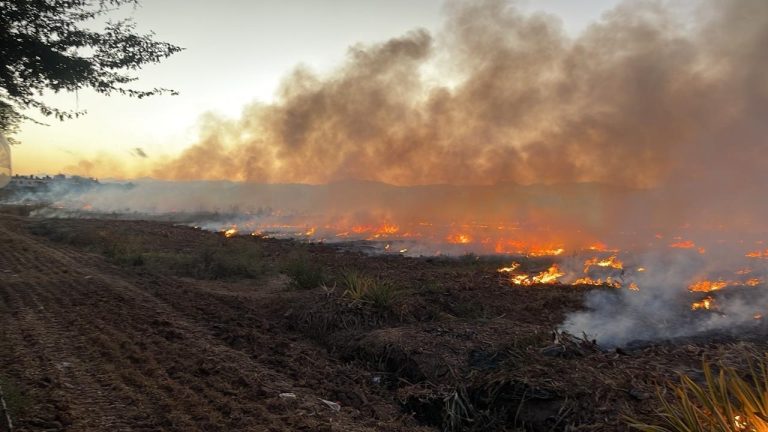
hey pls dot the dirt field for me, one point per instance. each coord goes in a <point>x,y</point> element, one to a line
<point>131,325</point>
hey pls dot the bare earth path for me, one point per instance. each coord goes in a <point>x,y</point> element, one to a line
<point>93,347</point>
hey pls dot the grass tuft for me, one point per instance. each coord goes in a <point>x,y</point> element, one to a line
<point>361,287</point>
<point>725,403</point>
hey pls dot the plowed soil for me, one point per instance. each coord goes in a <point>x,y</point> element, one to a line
<point>98,339</point>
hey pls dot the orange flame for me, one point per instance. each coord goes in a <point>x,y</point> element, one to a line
<point>707,286</point>
<point>599,281</point>
<point>706,303</point>
<point>612,262</point>
<point>514,266</point>
<point>459,239</point>
<point>757,254</point>
<point>683,244</point>
<point>546,252</point>
<point>548,277</point>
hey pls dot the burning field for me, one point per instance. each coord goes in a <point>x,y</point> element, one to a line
<point>542,239</point>
<point>628,156</point>
<point>666,281</point>
<point>115,324</point>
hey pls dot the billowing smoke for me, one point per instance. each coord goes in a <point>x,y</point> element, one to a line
<point>667,304</point>
<point>646,96</point>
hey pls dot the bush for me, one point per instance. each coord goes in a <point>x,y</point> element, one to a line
<point>16,401</point>
<point>726,403</point>
<point>211,262</point>
<point>304,272</point>
<point>212,259</point>
<point>124,253</point>
<point>365,288</point>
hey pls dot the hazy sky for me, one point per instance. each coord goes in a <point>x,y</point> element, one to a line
<point>237,51</point>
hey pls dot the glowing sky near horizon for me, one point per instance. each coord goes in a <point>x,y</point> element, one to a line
<point>236,52</point>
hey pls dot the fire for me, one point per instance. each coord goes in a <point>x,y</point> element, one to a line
<point>359,229</point>
<point>549,276</point>
<point>509,269</point>
<point>598,247</point>
<point>519,247</point>
<point>707,286</point>
<point>545,252</point>
<point>683,244</point>
<point>612,262</point>
<point>758,254</point>
<point>459,239</point>
<point>706,303</point>
<point>387,229</point>
<point>310,232</point>
<point>597,282</point>
<point>231,232</point>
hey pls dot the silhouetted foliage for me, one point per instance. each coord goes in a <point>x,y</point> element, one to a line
<point>48,45</point>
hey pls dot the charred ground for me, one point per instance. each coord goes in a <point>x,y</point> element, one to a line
<point>138,325</point>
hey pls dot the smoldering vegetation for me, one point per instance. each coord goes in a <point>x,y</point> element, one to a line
<point>668,306</point>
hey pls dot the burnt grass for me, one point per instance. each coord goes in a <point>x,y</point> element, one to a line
<point>448,344</point>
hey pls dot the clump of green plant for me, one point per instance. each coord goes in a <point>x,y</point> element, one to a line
<point>725,403</point>
<point>124,252</point>
<point>229,260</point>
<point>61,233</point>
<point>212,261</point>
<point>16,401</point>
<point>361,287</point>
<point>305,273</point>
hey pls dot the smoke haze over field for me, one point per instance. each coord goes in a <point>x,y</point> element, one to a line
<point>647,96</point>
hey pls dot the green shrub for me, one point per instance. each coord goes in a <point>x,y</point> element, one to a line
<point>124,253</point>
<point>361,287</point>
<point>17,402</point>
<point>304,272</point>
<point>211,262</point>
